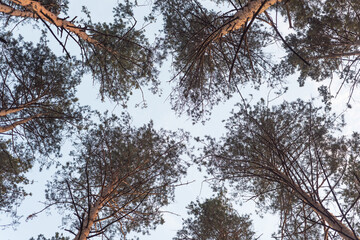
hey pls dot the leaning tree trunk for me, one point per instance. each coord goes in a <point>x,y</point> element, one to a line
<point>243,15</point>
<point>36,10</point>
<point>333,222</point>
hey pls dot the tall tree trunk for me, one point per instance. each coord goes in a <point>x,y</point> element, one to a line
<point>345,232</point>
<point>243,15</point>
<point>89,220</point>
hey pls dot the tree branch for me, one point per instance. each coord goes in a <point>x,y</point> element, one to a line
<point>336,55</point>
<point>15,124</point>
<point>15,12</point>
<point>5,112</point>
<point>41,12</point>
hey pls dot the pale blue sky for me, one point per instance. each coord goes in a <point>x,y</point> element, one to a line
<point>159,110</point>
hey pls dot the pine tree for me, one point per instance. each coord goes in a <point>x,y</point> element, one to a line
<point>119,179</point>
<point>215,218</point>
<point>215,53</point>
<point>116,54</point>
<point>37,96</point>
<point>288,158</point>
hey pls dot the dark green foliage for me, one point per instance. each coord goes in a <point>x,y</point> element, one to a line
<point>208,71</point>
<point>38,90</point>
<point>124,61</point>
<point>139,165</point>
<point>351,180</point>
<point>12,177</point>
<point>215,219</point>
<point>40,87</point>
<point>56,237</point>
<point>327,35</point>
<point>55,6</point>
<point>289,157</point>
<point>286,155</point>
<point>117,54</point>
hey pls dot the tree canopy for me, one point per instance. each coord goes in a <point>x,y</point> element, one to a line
<point>120,175</point>
<point>56,237</point>
<point>209,68</point>
<point>37,106</point>
<point>37,93</point>
<point>292,158</point>
<point>215,218</point>
<point>117,55</point>
<point>217,53</point>
<point>12,176</point>
<point>289,159</point>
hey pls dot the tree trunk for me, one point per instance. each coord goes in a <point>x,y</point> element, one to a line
<point>52,18</point>
<point>89,220</point>
<point>94,211</point>
<point>329,218</point>
<point>243,15</point>
<point>14,12</point>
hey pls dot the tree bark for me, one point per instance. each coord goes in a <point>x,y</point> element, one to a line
<point>329,218</point>
<point>41,12</point>
<point>15,12</point>
<point>243,15</point>
<point>89,220</point>
<point>15,124</point>
<point>94,211</point>
<point>7,111</point>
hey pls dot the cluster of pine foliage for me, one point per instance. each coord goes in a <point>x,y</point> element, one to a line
<point>292,157</point>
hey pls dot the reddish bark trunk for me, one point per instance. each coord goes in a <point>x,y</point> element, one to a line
<point>244,15</point>
<point>90,219</point>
